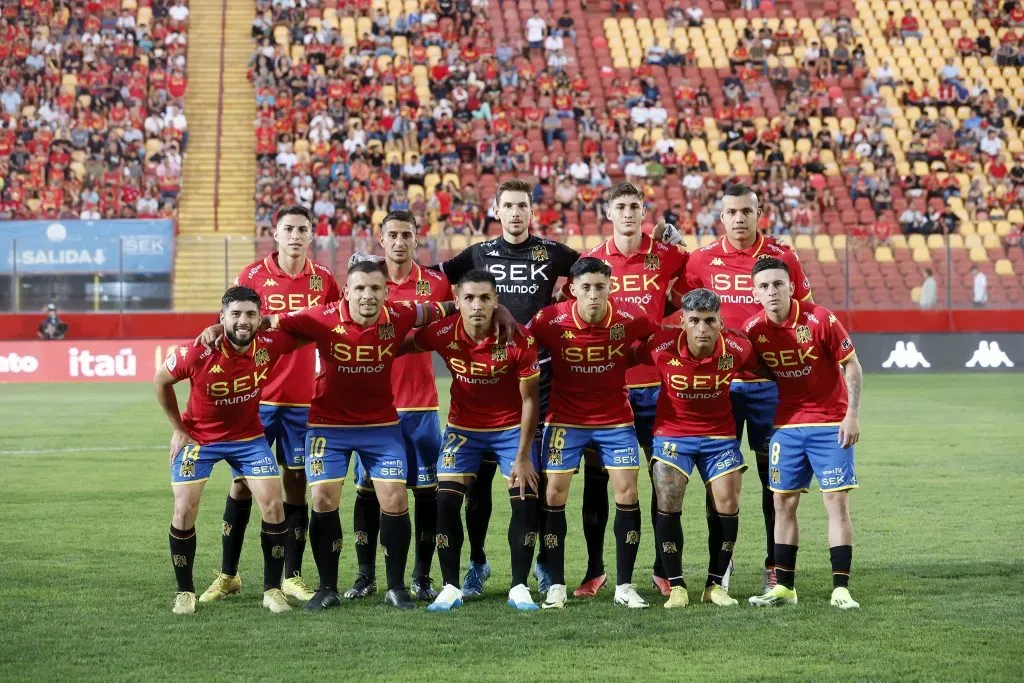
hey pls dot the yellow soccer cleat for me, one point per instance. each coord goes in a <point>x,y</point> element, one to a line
<point>275,600</point>
<point>717,595</point>
<point>780,595</point>
<point>184,603</point>
<point>296,587</point>
<point>223,586</point>
<point>842,599</point>
<point>677,597</point>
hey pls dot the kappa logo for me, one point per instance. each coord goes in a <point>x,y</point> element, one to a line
<point>717,262</point>
<point>906,355</point>
<point>762,339</point>
<point>270,282</point>
<point>674,362</point>
<point>989,355</point>
<point>454,346</point>
<point>216,370</point>
<point>493,252</point>
<point>338,329</point>
<point>568,335</point>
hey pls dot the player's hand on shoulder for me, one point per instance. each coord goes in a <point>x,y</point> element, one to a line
<point>360,256</point>
<point>667,233</point>
<point>505,324</point>
<point>209,336</point>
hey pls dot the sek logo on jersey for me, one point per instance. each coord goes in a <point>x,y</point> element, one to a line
<point>291,302</point>
<point>519,278</point>
<point>906,355</point>
<point>989,355</point>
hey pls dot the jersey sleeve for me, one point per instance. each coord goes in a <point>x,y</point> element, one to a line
<point>458,265</point>
<point>426,338</point>
<point>279,342</point>
<point>180,362</point>
<point>538,326</point>
<point>403,317</point>
<point>647,352</point>
<point>567,257</point>
<point>333,292</point>
<point>836,339</point>
<point>443,291</point>
<point>749,360</point>
<point>644,327</point>
<point>690,277</point>
<point>801,283</point>
<point>528,366</point>
<point>306,323</point>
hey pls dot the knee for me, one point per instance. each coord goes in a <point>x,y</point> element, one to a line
<point>837,505</point>
<point>626,494</point>
<point>393,498</point>
<point>557,492</point>
<point>185,512</point>
<point>239,491</point>
<point>325,499</point>
<point>786,503</point>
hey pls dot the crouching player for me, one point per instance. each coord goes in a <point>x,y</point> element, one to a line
<point>817,423</point>
<point>495,406</point>
<point>694,427</point>
<point>222,422</point>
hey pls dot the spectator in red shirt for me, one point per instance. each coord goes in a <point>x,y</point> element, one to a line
<point>909,27</point>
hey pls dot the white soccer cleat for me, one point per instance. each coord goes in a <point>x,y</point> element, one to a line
<point>448,599</point>
<point>184,603</point>
<point>556,597</point>
<point>627,596</point>
<point>519,597</point>
<point>842,599</point>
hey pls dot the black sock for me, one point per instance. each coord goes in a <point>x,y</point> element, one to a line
<point>236,518</point>
<point>425,517</point>
<point>785,564</point>
<point>325,538</point>
<point>183,556</point>
<point>842,558</point>
<point>659,566</point>
<point>449,536</point>
<point>366,523</point>
<point>668,539</point>
<point>627,541</point>
<point>395,536</point>
<point>521,534</point>
<point>296,517</point>
<point>768,510</point>
<point>478,510</point>
<point>729,526</point>
<point>273,538</point>
<point>714,528</point>
<point>554,542</point>
<point>542,553</point>
<point>595,517</point>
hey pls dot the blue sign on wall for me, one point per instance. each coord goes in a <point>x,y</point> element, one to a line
<point>87,247</point>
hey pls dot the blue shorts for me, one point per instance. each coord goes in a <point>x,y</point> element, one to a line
<point>381,452</point>
<point>252,458</point>
<point>713,458</point>
<point>798,453</point>
<point>644,400</point>
<point>464,450</point>
<point>421,432</point>
<point>285,427</point>
<point>753,405</point>
<point>563,446</point>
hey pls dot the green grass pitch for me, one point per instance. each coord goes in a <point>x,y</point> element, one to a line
<point>86,586</point>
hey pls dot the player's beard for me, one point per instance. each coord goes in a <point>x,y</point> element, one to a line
<point>236,340</point>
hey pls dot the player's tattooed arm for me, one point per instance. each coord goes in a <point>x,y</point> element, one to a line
<point>849,428</point>
<point>670,484</point>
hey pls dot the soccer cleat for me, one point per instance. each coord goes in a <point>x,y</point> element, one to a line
<point>768,579</point>
<point>476,577</point>
<point>296,587</point>
<point>423,587</point>
<point>556,597</point>
<point>543,576</point>
<point>448,599</point>
<point>677,597</point>
<point>727,576</point>
<point>223,586</point>
<point>626,595</point>
<point>184,603</point>
<point>400,598</point>
<point>662,584</point>
<point>519,597</point>
<point>779,595</point>
<point>589,588</point>
<point>717,595</point>
<point>276,601</point>
<point>363,587</point>
<point>842,599</point>
<point>324,598</point>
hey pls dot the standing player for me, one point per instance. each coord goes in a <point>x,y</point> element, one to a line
<point>817,423</point>
<point>724,267</point>
<point>495,406</point>
<point>412,382</point>
<point>590,341</point>
<point>222,422</point>
<point>643,270</point>
<point>286,280</point>
<point>694,427</point>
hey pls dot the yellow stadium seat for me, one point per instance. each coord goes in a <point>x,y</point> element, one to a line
<point>915,295</point>
<point>883,255</point>
<point>1004,267</point>
<point>1015,216</point>
<point>591,241</point>
<point>956,241</point>
<point>826,255</point>
<point>705,240</point>
<point>985,228</point>
<point>922,255</point>
<point>916,241</point>
<point>898,241</point>
<point>575,242</point>
<point>839,242</point>
<point>991,241</point>
<point>820,241</point>
<point>1003,228</point>
<point>805,242</point>
<point>936,242</point>
<point>978,254</point>
<point>458,242</point>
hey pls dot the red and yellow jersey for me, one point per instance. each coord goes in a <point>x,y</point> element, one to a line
<point>589,361</point>
<point>804,354</point>
<point>412,377</point>
<point>485,376</point>
<point>694,398</point>
<point>292,382</point>
<point>353,387</point>
<point>223,404</point>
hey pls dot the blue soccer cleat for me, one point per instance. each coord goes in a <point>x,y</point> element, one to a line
<point>519,598</point>
<point>448,599</point>
<point>476,577</point>
<point>543,576</point>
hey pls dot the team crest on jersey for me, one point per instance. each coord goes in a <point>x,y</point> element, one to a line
<point>550,541</point>
<point>762,339</point>
<point>652,262</point>
<point>262,357</point>
<point>442,541</point>
<point>338,329</point>
<point>226,530</point>
<point>725,362</point>
<point>554,456</point>
<point>846,345</point>
<point>617,332</point>
<point>539,253</point>
<point>632,537</point>
<point>422,288</point>
<point>361,538</point>
<point>270,282</point>
<point>669,547</point>
<point>387,331</point>
<point>499,353</point>
<point>316,467</point>
<point>803,334</point>
<point>717,262</point>
<point>530,341</point>
<point>216,370</point>
<point>316,283</point>
<point>675,362</point>
<point>454,346</point>
<point>568,335</point>
<point>448,461</point>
